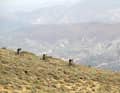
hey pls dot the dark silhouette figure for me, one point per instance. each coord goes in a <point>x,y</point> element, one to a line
<point>26,72</point>
<point>4,48</point>
<point>44,57</point>
<point>70,62</point>
<point>18,51</point>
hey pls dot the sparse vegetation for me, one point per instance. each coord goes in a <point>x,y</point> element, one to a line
<point>44,57</point>
<point>28,74</point>
<point>4,48</point>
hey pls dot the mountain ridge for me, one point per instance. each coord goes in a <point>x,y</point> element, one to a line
<point>88,43</point>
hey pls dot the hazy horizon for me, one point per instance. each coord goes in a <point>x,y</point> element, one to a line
<point>59,11</point>
<point>86,30</point>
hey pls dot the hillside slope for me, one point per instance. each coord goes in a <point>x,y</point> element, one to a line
<point>27,73</point>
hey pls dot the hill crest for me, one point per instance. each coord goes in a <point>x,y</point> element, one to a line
<point>28,73</point>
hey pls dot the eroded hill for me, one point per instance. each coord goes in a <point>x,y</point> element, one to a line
<point>27,73</point>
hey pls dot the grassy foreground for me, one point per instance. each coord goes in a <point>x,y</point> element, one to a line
<point>27,73</point>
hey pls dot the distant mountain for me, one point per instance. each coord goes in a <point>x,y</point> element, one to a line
<point>93,44</point>
<point>86,30</point>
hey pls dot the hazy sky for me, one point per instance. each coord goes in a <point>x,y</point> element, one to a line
<point>87,10</point>
<point>34,4</point>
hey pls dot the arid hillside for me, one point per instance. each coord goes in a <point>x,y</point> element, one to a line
<point>28,73</point>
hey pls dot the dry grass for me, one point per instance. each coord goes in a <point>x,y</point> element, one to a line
<point>27,73</point>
